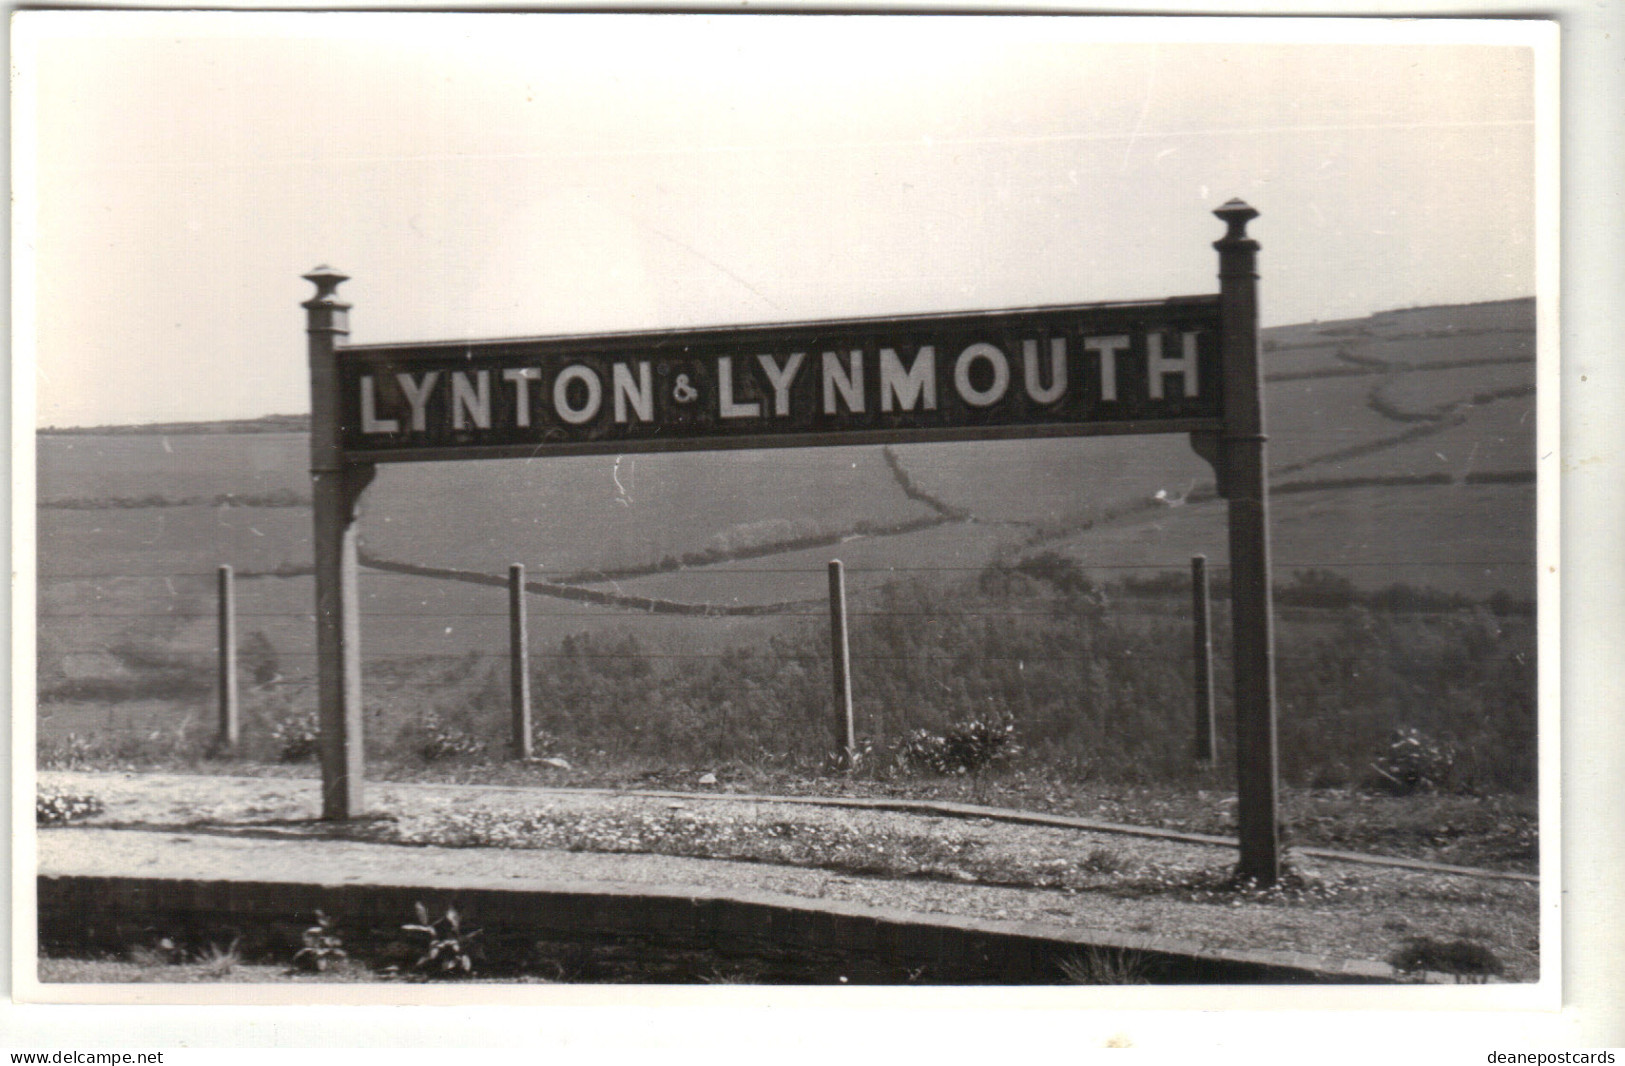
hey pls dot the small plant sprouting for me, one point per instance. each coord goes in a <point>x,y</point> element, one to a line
<point>323,949</point>
<point>447,952</point>
<point>217,962</point>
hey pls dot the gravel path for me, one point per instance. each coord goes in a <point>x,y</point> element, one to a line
<point>982,868</point>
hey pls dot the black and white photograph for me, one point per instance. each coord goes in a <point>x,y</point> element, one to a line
<point>900,503</point>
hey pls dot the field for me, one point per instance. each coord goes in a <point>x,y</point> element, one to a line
<point>1040,581</point>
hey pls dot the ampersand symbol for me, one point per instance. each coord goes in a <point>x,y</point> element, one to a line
<point>684,392</point>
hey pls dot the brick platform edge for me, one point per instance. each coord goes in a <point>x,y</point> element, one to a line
<point>816,939</point>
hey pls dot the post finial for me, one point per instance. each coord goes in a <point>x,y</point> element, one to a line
<point>1236,213</point>
<point>327,281</point>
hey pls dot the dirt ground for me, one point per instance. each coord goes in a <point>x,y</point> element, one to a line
<point>982,867</point>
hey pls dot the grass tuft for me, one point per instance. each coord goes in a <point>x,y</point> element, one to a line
<point>1106,966</point>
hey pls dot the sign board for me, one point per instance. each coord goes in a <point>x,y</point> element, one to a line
<point>1186,364</point>
<point>1150,367</point>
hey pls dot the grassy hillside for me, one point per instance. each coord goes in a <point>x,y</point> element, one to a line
<point>1401,451</point>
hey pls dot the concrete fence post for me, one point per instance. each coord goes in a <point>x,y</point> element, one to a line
<point>1201,617</point>
<point>230,729</point>
<point>841,667</point>
<point>519,662</point>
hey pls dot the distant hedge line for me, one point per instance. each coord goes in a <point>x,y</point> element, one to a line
<point>277,498</point>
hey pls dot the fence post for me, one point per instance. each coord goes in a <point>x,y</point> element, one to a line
<point>1202,619</point>
<point>230,731</point>
<point>519,661</point>
<point>841,666</point>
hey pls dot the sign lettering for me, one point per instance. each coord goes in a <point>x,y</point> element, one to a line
<point>1096,368</point>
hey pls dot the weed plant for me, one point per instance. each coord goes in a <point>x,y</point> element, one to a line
<point>447,953</point>
<point>322,948</point>
<point>59,808</point>
<point>217,962</point>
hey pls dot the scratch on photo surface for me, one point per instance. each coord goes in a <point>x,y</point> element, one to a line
<point>625,497</point>
<point>705,258</point>
<point>1145,105</point>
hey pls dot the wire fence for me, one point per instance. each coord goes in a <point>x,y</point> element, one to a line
<point>1092,663</point>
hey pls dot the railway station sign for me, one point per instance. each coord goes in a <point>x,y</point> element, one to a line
<point>1187,364</point>
<point>1088,369</point>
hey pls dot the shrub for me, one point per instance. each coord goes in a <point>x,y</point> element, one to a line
<point>439,739</point>
<point>1467,960</point>
<point>60,808</point>
<point>297,734</point>
<point>1061,571</point>
<point>71,752</point>
<point>923,751</point>
<point>1503,603</point>
<point>1317,588</point>
<point>1412,762</point>
<point>1159,583</point>
<point>1399,598</point>
<point>972,747</point>
<point>967,748</point>
<point>259,659</point>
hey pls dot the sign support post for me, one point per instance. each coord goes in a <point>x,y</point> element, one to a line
<point>1243,481</point>
<point>336,487</point>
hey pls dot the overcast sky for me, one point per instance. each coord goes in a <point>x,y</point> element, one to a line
<point>482,175</point>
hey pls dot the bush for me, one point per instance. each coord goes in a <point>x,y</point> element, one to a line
<point>297,734</point>
<point>1467,960</point>
<point>1467,676</point>
<point>967,748</point>
<point>1317,588</point>
<point>1399,598</point>
<point>259,659</point>
<point>438,739</point>
<point>1061,571</point>
<point>923,751</point>
<point>60,808</point>
<point>1412,762</point>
